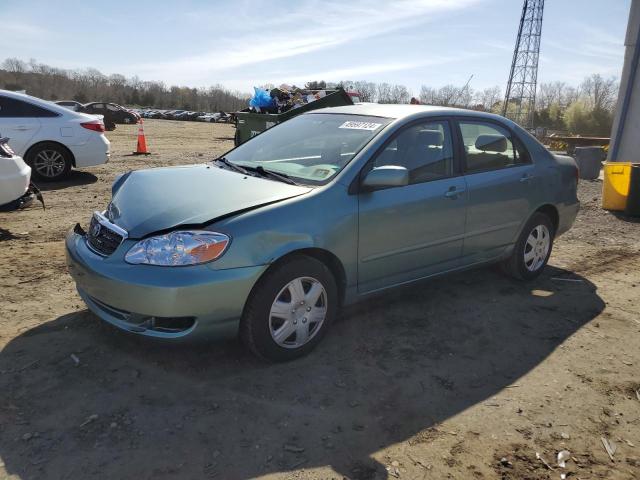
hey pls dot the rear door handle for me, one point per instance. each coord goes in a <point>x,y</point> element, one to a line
<point>526,178</point>
<point>453,193</point>
<point>21,128</point>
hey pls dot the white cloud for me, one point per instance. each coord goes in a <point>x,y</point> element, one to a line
<point>307,29</point>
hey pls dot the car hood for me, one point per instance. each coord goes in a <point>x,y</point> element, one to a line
<point>148,201</point>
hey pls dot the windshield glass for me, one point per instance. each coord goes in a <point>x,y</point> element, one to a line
<point>309,148</point>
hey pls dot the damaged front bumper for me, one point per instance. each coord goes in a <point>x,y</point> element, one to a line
<point>25,200</point>
<point>161,302</point>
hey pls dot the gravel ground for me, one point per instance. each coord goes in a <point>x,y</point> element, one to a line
<point>472,375</point>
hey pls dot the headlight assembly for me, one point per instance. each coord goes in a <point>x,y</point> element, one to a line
<point>179,248</point>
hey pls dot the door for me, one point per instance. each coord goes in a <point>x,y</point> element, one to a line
<point>500,178</point>
<point>410,232</point>
<point>18,121</point>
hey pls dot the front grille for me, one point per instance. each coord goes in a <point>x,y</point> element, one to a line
<point>101,238</point>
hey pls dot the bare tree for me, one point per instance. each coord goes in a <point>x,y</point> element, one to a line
<point>489,98</point>
<point>599,93</point>
<point>428,95</point>
<point>400,94</point>
<point>367,90</point>
<point>16,67</point>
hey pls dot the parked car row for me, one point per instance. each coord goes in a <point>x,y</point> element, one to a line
<point>112,113</point>
<point>52,139</point>
<point>183,115</point>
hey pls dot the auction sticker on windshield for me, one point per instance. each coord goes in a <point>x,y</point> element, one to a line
<point>361,125</point>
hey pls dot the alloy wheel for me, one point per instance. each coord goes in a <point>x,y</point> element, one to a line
<point>49,163</point>
<point>298,312</point>
<point>537,248</point>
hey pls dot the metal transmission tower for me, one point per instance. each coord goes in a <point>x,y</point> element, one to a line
<point>520,98</point>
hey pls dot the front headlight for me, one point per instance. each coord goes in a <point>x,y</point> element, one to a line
<point>179,248</point>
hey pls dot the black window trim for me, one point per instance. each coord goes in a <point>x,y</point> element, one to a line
<point>515,141</point>
<point>52,114</point>
<point>456,144</point>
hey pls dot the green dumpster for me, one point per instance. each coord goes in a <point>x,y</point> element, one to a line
<point>250,124</point>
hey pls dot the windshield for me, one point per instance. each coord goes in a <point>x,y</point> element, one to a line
<point>309,148</point>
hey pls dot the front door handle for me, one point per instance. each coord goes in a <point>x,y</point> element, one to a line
<point>453,193</point>
<point>21,128</point>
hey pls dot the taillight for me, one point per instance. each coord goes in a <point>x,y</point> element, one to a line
<point>96,126</point>
<point>5,149</point>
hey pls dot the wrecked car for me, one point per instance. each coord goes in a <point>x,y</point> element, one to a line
<point>271,239</point>
<point>16,189</point>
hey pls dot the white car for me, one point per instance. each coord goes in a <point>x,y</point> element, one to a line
<point>52,139</point>
<point>209,117</point>
<point>15,175</point>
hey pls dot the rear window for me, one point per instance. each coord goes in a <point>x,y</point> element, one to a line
<point>13,108</point>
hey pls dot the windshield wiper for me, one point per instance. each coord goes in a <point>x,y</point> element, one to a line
<point>232,165</point>
<point>270,173</point>
<point>259,169</point>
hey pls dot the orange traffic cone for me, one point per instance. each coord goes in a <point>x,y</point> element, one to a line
<point>142,142</point>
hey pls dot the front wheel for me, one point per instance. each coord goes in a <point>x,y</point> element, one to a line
<point>290,309</point>
<point>532,250</point>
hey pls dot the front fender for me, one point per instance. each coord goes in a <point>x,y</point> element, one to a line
<point>326,219</point>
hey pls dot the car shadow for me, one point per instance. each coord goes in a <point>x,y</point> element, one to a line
<point>626,218</point>
<point>6,235</point>
<point>80,399</point>
<point>75,178</point>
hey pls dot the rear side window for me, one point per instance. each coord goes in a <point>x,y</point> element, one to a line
<point>425,149</point>
<point>488,146</point>
<point>12,108</point>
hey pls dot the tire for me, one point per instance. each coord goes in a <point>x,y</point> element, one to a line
<point>532,250</point>
<point>276,325</point>
<point>49,161</point>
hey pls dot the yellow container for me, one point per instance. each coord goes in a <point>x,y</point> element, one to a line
<point>615,188</point>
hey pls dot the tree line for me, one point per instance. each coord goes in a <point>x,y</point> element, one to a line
<point>585,109</point>
<point>89,85</point>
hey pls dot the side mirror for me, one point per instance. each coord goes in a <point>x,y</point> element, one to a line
<point>385,177</point>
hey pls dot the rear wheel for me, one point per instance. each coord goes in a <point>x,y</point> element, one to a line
<point>49,161</point>
<point>532,250</point>
<point>290,309</point>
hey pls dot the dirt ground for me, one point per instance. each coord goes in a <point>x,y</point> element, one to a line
<point>472,375</point>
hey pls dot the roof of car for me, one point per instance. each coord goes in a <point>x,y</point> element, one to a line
<point>401,111</point>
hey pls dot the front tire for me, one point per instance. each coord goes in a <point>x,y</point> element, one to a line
<point>532,250</point>
<point>49,161</point>
<point>290,309</point>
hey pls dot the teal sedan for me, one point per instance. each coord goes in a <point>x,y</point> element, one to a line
<point>270,240</point>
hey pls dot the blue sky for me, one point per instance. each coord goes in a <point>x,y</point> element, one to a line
<point>241,43</point>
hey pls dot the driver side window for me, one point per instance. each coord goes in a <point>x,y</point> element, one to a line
<point>425,149</point>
